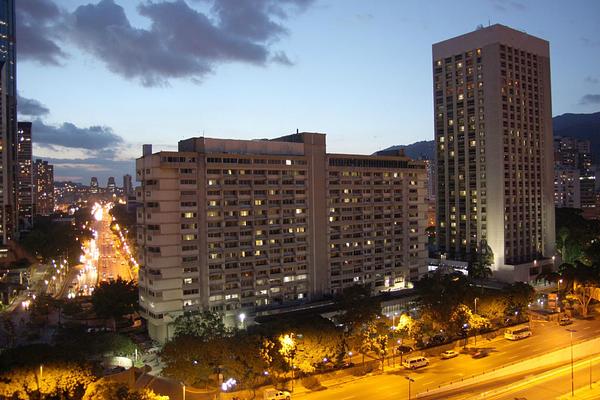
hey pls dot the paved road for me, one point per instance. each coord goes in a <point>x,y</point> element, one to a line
<point>393,385</point>
<point>555,383</point>
<point>111,262</point>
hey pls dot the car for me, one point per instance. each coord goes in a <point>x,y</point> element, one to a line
<point>437,340</point>
<point>448,354</point>
<point>565,321</point>
<point>273,394</point>
<point>404,349</point>
<point>479,354</point>
<point>415,362</point>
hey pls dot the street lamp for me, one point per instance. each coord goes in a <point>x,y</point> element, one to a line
<point>289,350</point>
<point>476,300</point>
<point>410,380</point>
<point>572,388</point>
<point>242,317</point>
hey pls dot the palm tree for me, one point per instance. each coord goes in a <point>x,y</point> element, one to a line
<point>480,267</point>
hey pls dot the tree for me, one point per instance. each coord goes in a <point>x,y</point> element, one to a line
<point>114,299</point>
<point>582,283</point>
<point>479,267</point>
<point>244,360</point>
<point>107,390</point>
<point>191,360</point>
<point>519,296</point>
<point>439,295</point>
<point>357,307</point>
<point>204,325</point>
<point>493,308</point>
<point>55,380</point>
<point>374,339</point>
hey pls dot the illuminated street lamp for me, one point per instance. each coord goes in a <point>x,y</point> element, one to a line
<point>242,317</point>
<point>288,350</point>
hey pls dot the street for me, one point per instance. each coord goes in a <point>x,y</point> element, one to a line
<point>546,337</point>
<point>111,263</point>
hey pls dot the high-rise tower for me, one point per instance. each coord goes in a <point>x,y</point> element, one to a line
<point>8,122</point>
<point>493,133</point>
<point>24,176</point>
<point>43,179</point>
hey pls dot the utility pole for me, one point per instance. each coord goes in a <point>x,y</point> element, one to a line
<point>410,380</point>
<point>572,384</point>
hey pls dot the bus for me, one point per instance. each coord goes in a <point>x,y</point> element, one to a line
<point>517,333</point>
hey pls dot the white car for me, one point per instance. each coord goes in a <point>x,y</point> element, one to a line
<point>271,394</point>
<point>448,354</point>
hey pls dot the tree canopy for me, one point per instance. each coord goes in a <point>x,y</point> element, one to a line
<point>204,325</point>
<point>113,299</point>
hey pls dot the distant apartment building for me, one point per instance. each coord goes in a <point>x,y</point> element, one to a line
<point>567,187</point>
<point>572,154</point>
<point>8,123</point>
<point>43,188</point>
<point>127,185</point>
<point>493,133</point>
<point>94,188</point>
<point>111,186</point>
<point>24,176</point>
<point>237,226</point>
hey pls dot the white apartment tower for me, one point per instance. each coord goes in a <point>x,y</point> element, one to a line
<point>494,150</point>
<point>239,226</point>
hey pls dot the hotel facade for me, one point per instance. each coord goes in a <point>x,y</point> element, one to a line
<point>240,226</point>
<point>494,150</point>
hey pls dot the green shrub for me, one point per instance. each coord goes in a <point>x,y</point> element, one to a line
<point>311,383</point>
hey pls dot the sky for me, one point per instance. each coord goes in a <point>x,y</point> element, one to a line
<point>100,78</point>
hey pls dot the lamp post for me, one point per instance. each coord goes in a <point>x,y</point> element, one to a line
<point>242,317</point>
<point>475,301</point>
<point>572,388</point>
<point>558,293</point>
<point>409,379</point>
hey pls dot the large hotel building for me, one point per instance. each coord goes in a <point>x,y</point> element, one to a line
<point>238,226</point>
<point>494,149</point>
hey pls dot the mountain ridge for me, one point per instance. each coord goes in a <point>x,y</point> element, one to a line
<point>579,125</point>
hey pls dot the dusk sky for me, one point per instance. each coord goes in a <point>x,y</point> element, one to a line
<point>100,79</point>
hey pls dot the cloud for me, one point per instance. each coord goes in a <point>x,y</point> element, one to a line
<point>591,79</point>
<point>31,107</point>
<point>180,42</point>
<point>502,5</point>
<point>93,149</point>
<point>590,42</point>
<point>36,33</point>
<point>590,99</point>
<point>97,139</point>
<point>281,58</point>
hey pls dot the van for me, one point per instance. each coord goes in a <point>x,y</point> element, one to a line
<point>415,362</point>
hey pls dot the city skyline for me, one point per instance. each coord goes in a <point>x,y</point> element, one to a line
<point>374,85</point>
